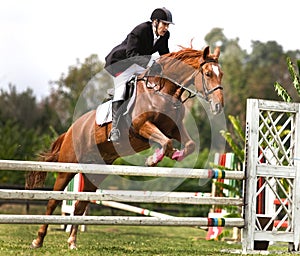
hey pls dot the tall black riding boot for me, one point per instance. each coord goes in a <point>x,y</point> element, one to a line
<point>115,132</point>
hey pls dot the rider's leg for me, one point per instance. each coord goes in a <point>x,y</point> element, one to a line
<point>119,94</point>
<point>119,97</point>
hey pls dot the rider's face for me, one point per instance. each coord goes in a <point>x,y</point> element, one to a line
<point>162,28</point>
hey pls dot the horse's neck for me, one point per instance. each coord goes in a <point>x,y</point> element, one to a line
<point>181,72</point>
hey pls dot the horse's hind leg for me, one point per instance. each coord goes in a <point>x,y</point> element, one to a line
<point>80,207</point>
<point>61,182</point>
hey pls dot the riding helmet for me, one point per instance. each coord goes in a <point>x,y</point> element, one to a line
<point>162,14</point>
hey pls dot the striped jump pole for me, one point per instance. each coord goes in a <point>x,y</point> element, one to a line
<point>121,220</point>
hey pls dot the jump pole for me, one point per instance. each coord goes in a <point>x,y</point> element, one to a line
<point>11,165</point>
<point>133,209</point>
<point>121,220</point>
<point>111,195</point>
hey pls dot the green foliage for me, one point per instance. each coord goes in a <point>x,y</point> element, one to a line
<point>23,130</point>
<point>281,91</point>
<point>294,75</point>
<point>18,143</point>
<point>236,141</point>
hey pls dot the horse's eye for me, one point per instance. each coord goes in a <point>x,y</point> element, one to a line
<point>208,73</point>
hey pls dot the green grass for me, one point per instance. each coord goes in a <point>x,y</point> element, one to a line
<point>111,240</point>
<point>115,240</point>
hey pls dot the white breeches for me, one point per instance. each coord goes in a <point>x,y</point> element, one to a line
<point>120,81</point>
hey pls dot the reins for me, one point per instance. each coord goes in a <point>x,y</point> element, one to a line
<point>191,93</point>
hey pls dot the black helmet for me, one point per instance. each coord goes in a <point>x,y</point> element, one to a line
<point>162,14</point>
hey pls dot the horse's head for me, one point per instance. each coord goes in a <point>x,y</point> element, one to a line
<point>189,66</point>
<point>208,80</point>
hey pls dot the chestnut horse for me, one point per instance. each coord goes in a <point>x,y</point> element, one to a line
<point>156,116</point>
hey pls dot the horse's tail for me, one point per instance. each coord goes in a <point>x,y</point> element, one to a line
<point>35,179</point>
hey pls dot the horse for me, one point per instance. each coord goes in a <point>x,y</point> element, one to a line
<point>156,116</point>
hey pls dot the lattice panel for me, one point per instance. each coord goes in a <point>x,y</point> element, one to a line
<point>276,135</point>
<point>281,188</point>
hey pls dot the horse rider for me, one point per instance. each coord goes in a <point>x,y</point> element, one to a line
<point>132,56</point>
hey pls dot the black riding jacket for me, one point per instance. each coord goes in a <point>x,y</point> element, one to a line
<point>136,48</point>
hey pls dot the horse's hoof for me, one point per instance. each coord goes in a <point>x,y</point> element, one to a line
<point>35,244</point>
<point>155,158</point>
<point>72,247</point>
<point>72,243</point>
<point>178,155</point>
<point>149,162</point>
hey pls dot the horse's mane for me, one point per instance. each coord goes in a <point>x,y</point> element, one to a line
<point>188,55</point>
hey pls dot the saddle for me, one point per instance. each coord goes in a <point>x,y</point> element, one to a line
<point>104,111</point>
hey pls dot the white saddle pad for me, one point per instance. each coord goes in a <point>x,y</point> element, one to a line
<point>104,113</point>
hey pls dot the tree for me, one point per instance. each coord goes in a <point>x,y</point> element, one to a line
<point>24,129</point>
<point>234,66</point>
<point>216,38</point>
<point>264,66</point>
<point>18,106</point>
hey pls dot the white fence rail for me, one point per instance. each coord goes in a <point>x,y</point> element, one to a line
<point>121,170</point>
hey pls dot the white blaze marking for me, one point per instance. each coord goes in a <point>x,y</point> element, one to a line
<point>216,70</point>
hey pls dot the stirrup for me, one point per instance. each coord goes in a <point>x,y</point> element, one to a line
<point>114,135</point>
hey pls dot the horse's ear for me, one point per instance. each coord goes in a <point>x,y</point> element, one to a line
<point>217,52</point>
<point>205,52</point>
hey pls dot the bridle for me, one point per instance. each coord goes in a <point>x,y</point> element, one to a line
<point>207,92</point>
<point>185,87</point>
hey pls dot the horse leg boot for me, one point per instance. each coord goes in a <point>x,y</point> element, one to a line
<point>184,138</point>
<point>116,114</point>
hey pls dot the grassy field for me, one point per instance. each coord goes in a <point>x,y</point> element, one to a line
<point>111,240</point>
<point>117,240</point>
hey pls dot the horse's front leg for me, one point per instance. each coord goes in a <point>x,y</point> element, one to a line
<point>184,138</point>
<point>149,131</point>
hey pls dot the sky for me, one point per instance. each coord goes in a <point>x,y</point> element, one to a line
<point>41,39</point>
